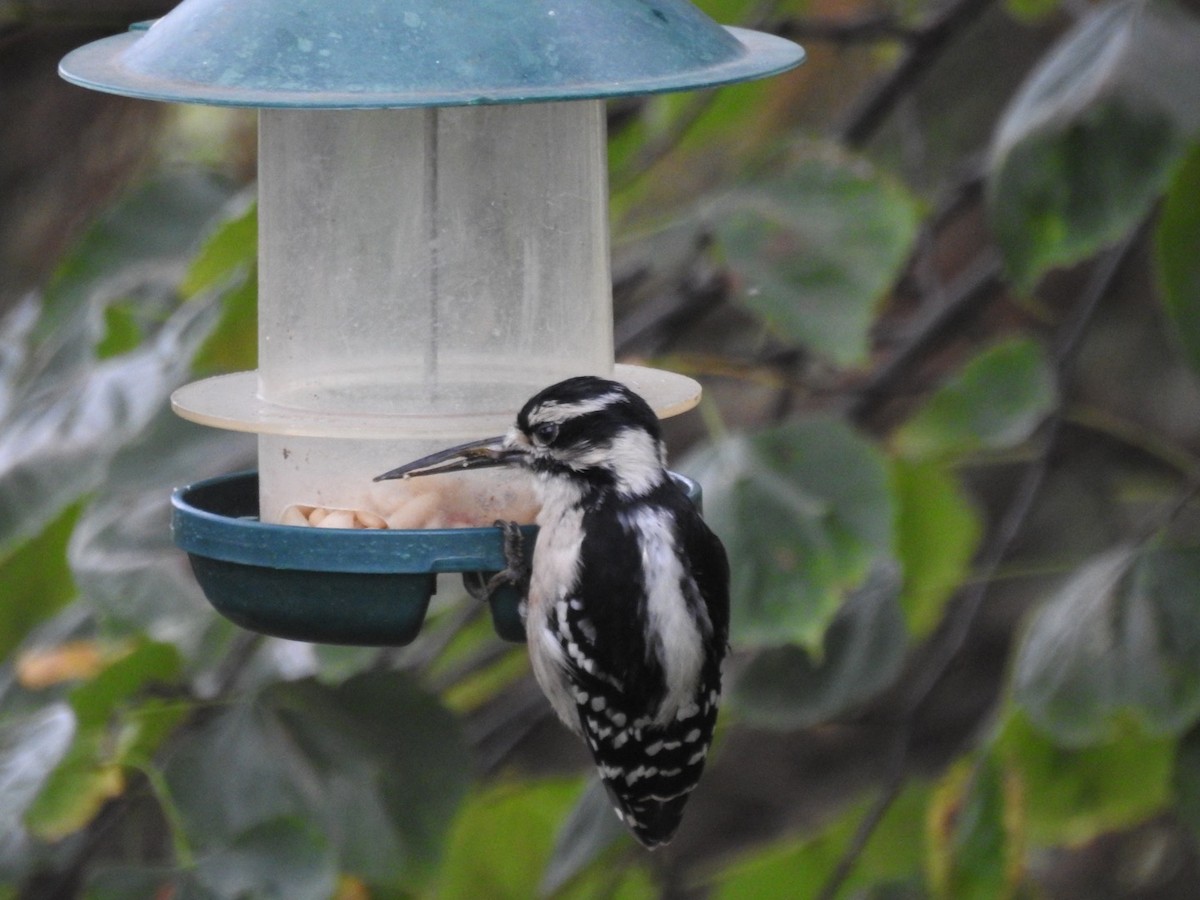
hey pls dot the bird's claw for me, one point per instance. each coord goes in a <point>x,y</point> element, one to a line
<point>515,573</point>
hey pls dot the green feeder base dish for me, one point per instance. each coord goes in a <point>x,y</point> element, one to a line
<point>331,585</point>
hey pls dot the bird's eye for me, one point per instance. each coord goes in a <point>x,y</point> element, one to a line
<point>545,433</point>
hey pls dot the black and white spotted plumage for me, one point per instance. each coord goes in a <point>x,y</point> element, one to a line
<point>627,613</point>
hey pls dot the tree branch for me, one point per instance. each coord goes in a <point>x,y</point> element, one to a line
<point>950,641</point>
<point>973,288</point>
<point>925,47</point>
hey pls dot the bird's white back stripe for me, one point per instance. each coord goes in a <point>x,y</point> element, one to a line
<point>669,617</point>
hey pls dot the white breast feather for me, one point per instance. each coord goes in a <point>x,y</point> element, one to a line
<point>555,569</point>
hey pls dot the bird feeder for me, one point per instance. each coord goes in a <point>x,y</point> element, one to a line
<point>433,250</point>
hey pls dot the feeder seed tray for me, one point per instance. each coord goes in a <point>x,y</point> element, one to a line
<point>331,585</point>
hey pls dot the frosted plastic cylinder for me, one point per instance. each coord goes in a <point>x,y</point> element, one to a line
<point>439,265</point>
<point>418,261</point>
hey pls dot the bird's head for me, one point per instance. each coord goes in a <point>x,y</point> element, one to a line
<point>589,429</point>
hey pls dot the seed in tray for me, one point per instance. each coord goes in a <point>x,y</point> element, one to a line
<point>448,504</point>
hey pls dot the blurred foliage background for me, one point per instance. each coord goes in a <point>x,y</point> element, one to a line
<point>942,285</point>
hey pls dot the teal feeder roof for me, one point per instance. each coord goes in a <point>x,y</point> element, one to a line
<point>405,53</point>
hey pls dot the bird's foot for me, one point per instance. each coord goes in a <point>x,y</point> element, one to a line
<point>515,573</point>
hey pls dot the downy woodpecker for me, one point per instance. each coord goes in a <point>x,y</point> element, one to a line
<point>627,610</point>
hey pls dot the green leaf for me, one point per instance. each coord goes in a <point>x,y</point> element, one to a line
<point>282,860</point>
<point>129,882</point>
<point>1177,238</point>
<point>64,411</point>
<point>816,250</point>
<point>1090,141</point>
<point>150,663</point>
<point>227,265</point>
<point>77,789</point>
<point>484,685</point>
<point>144,728</point>
<point>31,746</point>
<point>619,880</point>
<point>729,10</point>
<point>145,242</point>
<point>667,149</point>
<point>67,424</point>
<point>503,838</point>
<point>788,687</point>
<point>232,247</point>
<point>591,855</point>
<point>1186,782</point>
<point>800,868</point>
<point>1119,642</point>
<point>237,770</point>
<point>805,513</point>
<point>997,401</point>
<point>976,845</point>
<point>122,332</point>
<point>111,733</point>
<point>37,582</point>
<point>1071,796</point>
<point>122,556</point>
<point>376,764</point>
<point>233,344</point>
<point>1032,11</point>
<point>937,532</point>
<point>336,663</point>
<point>589,832</point>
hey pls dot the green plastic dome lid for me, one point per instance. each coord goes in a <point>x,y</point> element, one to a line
<point>402,53</point>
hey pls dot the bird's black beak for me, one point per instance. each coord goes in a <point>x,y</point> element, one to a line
<point>482,454</point>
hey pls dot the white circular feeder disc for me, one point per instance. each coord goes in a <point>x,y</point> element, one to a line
<point>232,402</point>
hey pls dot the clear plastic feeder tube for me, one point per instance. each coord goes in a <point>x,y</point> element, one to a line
<point>438,261</point>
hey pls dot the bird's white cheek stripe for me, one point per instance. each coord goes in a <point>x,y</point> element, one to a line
<point>634,458</point>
